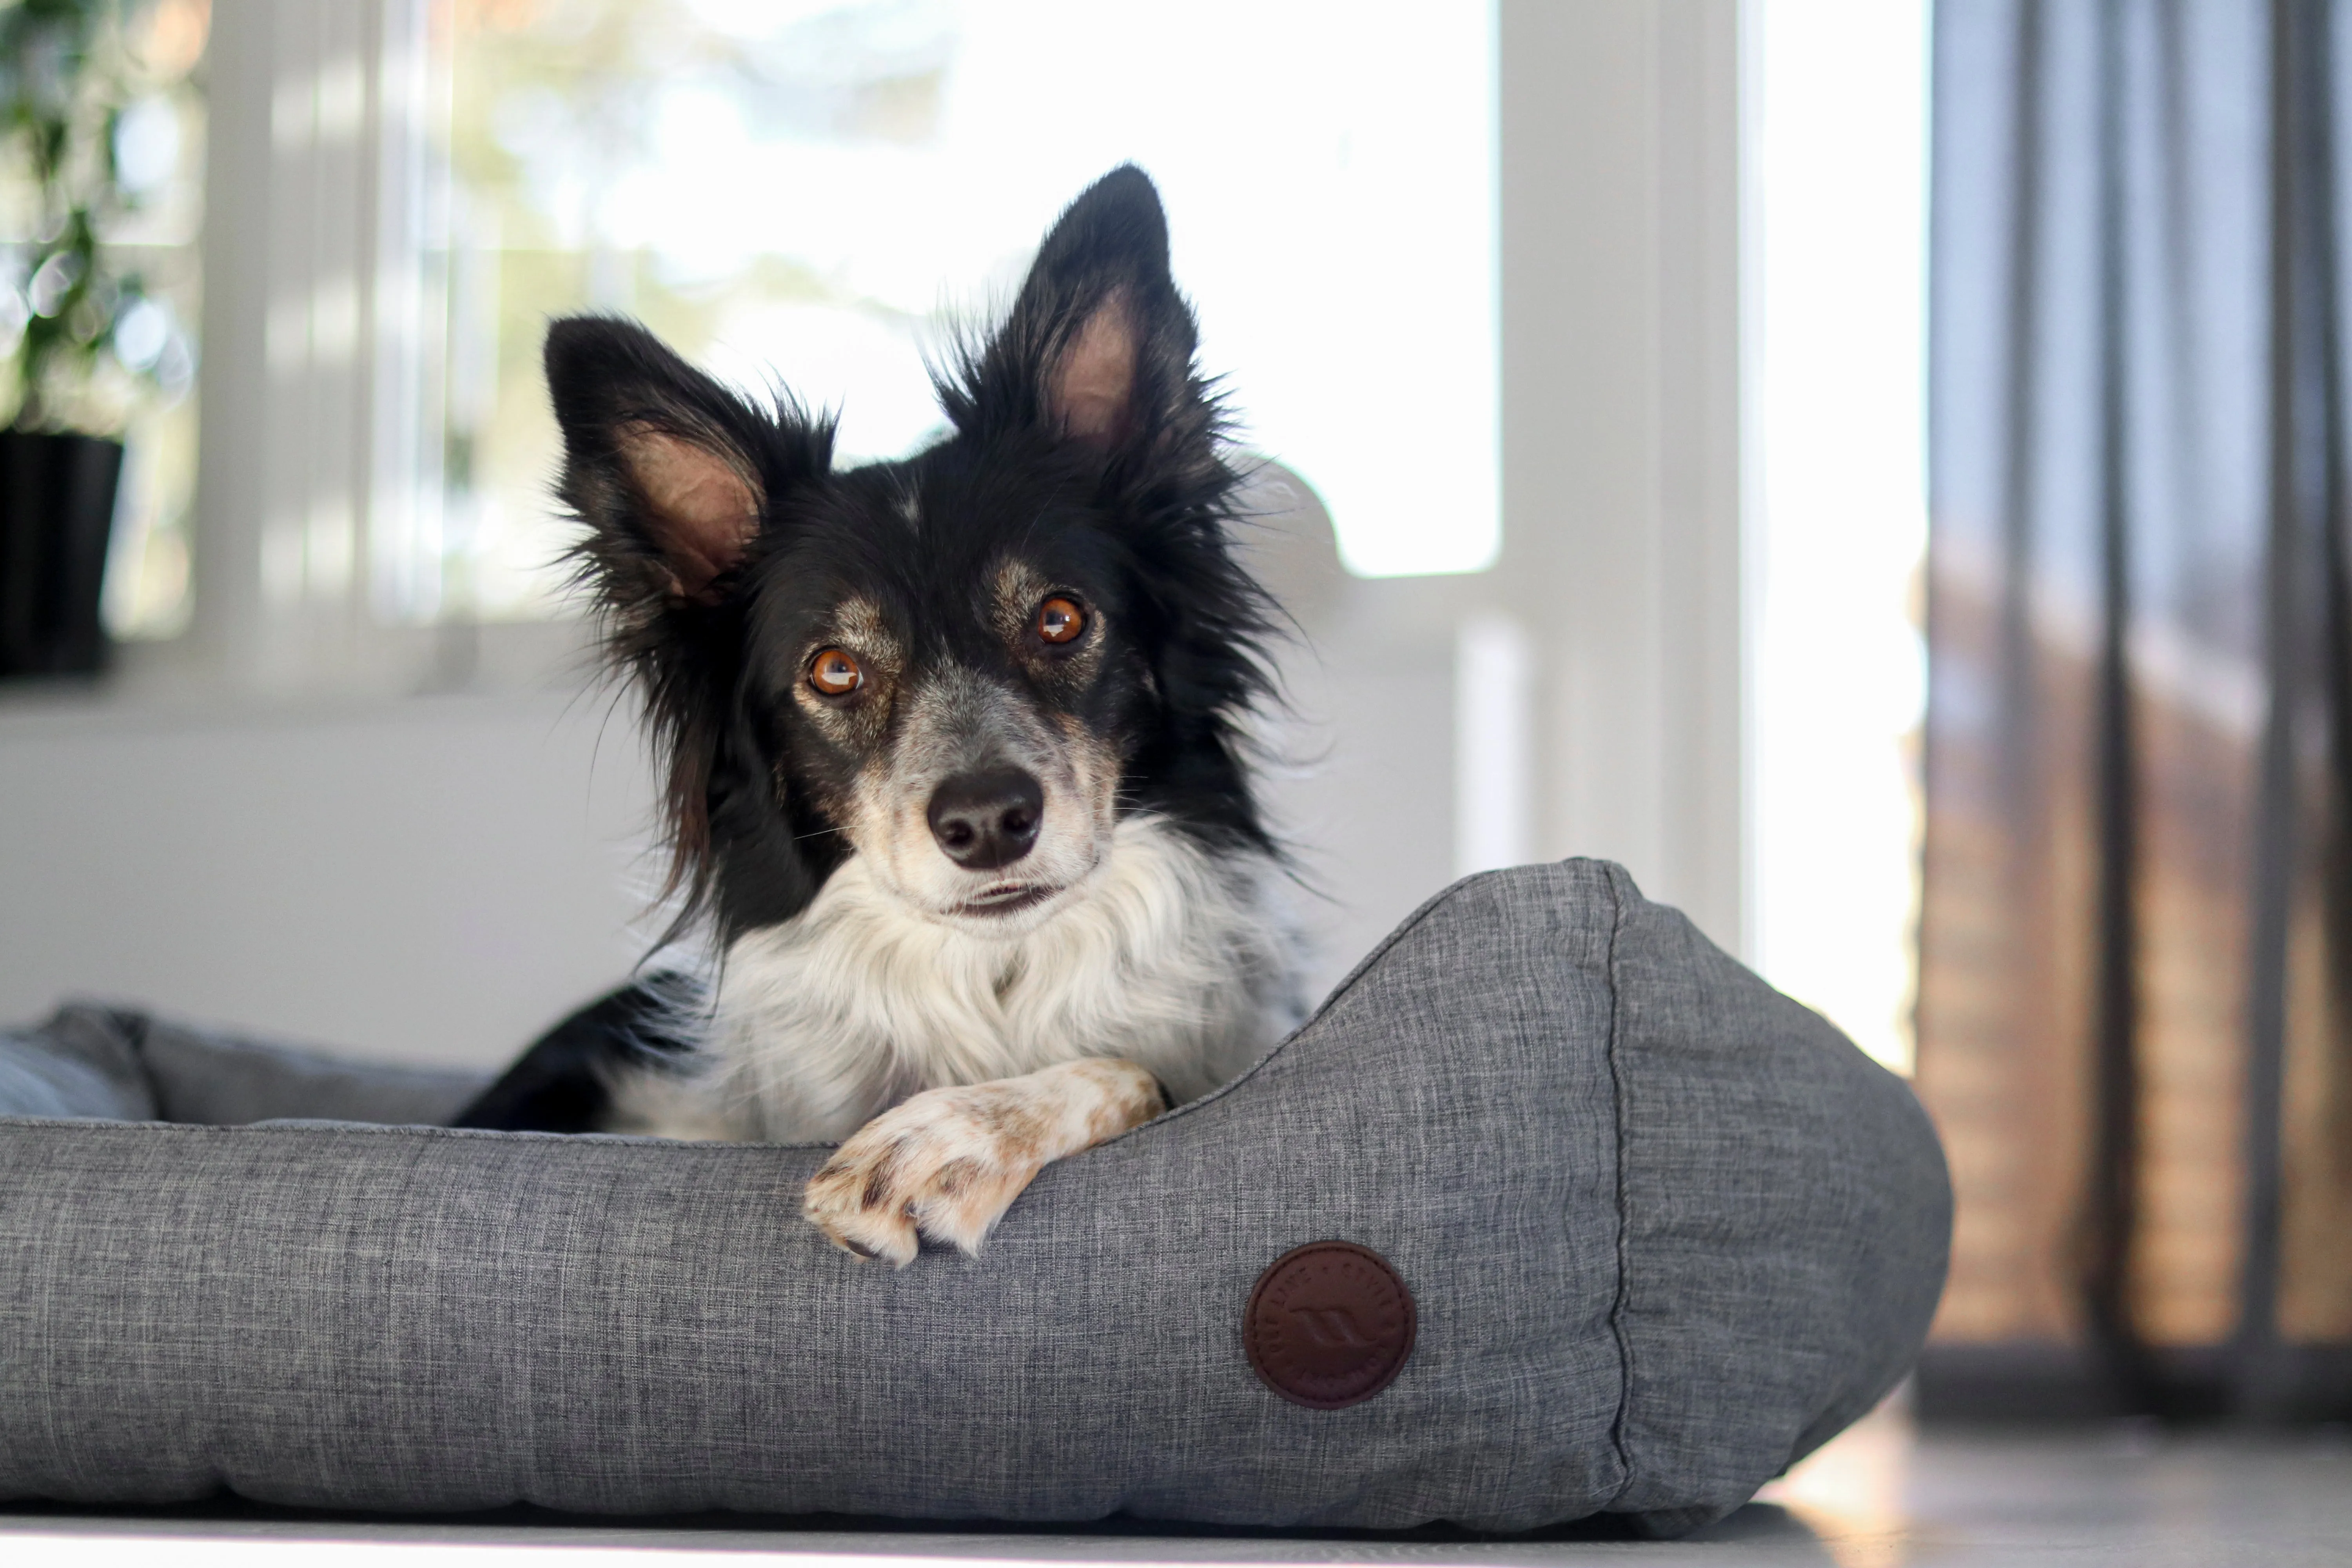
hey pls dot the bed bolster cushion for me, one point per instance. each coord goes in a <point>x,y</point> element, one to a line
<point>1662,1231</point>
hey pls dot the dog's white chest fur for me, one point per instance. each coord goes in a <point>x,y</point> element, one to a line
<point>1169,957</point>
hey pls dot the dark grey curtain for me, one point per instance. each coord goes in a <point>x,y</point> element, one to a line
<point>2133,988</point>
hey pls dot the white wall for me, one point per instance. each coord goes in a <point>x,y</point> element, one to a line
<point>1621,433</point>
<point>433,879</point>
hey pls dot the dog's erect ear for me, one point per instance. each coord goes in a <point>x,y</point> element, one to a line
<point>671,472</point>
<point>675,475</point>
<point>1099,347</point>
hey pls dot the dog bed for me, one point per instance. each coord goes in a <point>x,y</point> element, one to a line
<point>1552,1210</point>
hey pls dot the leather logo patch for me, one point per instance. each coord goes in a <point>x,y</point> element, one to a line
<point>1329,1325</point>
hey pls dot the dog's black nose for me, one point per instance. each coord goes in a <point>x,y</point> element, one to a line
<point>988,819</point>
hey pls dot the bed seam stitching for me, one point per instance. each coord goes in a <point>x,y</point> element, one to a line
<point>1618,1426</point>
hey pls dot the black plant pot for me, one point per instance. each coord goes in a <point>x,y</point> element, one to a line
<point>57,513</point>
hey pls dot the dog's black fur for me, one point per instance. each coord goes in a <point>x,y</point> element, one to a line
<point>1132,520</point>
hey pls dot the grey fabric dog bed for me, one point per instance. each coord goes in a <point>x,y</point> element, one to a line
<point>1664,1231</point>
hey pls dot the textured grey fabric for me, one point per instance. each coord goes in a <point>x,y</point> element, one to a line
<point>82,1062</point>
<point>201,1076</point>
<point>89,1060</point>
<point>1786,1223</point>
<point>1665,1230</point>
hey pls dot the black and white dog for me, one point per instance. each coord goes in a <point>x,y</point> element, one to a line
<point>955,764</point>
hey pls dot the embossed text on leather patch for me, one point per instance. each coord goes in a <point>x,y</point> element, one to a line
<point>1329,1325</point>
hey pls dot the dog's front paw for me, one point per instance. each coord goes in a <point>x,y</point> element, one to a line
<point>948,1162</point>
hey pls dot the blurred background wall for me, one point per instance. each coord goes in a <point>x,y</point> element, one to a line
<point>430,878</point>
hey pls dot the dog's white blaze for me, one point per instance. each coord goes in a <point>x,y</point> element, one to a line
<point>953,720</point>
<point>1165,956</point>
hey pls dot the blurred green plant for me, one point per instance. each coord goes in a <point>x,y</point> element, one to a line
<point>70,318</point>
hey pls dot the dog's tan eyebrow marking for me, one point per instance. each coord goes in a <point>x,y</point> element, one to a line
<point>859,620</point>
<point>1017,580</point>
<point>1015,589</point>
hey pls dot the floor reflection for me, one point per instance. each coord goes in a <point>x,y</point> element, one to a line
<point>1885,1492</point>
<point>1852,1492</point>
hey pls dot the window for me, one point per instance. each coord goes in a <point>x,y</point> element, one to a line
<point>1838,169</point>
<point>144,73</point>
<point>823,191</point>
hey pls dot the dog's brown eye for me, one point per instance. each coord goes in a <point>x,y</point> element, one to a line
<point>836,674</point>
<point>1059,620</point>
